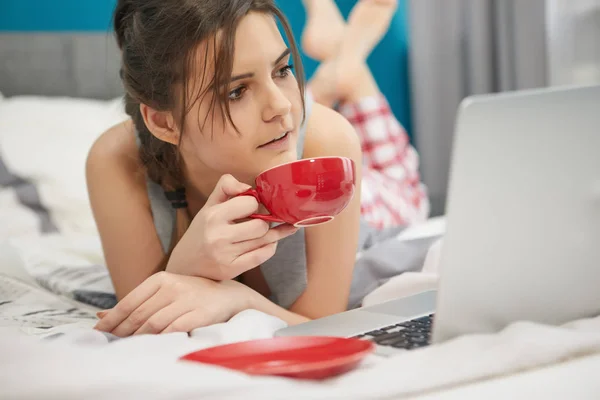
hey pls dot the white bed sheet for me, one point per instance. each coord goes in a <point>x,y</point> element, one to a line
<point>76,361</point>
<point>147,367</point>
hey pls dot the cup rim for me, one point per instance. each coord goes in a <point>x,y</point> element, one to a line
<point>302,160</point>
<point>303,223</point>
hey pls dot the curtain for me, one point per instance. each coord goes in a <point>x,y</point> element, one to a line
<point>574,42</point>
<point>465,47</point>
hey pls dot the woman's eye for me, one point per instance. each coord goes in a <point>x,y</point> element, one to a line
<point>236,93</point>
<point>285,71</point>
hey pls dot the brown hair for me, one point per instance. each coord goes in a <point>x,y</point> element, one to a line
<point>158,39</point>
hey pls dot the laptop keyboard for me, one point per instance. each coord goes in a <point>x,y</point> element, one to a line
<point>405,335</point>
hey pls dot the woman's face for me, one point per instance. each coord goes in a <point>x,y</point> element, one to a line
<point>265,105</point>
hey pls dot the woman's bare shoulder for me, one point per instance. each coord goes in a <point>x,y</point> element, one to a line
<point>117,145</point>
<point>115,155</point>
<point>328,133</point>
<point>113,161</point>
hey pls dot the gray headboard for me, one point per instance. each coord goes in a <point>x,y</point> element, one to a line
<point>59,64</point>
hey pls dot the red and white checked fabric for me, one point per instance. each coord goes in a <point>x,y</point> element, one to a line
<point>392,192</point>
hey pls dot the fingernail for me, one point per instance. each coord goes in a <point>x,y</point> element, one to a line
<point>101,314</point>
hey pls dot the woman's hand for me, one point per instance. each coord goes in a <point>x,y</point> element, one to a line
<point>216,246</point>
<point>168,302</point>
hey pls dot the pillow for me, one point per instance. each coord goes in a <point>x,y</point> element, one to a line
<point>44,142</point>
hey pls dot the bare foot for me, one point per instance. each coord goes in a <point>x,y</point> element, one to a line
<point>324,29</point>
<point>368,22</point>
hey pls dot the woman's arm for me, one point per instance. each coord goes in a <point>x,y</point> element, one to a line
<point>331,248</point>
<point>168,302</point>
<point>212,247</point>
<point>392,191</point>
<point>117,191</point>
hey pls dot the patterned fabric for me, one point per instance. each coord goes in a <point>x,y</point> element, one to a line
<point>392,192</point>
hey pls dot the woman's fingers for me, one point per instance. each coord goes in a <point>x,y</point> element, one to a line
<point>274,235</point>
<point>253,258</point>
<point>131,302</point>
<point>249,230</point>
<point>189,321</point>
<point>140,315</point>
<point>158,322</point>
<point>226,188</point>
<point>235,208</point>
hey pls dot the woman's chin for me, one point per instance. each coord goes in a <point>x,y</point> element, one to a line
<point>285,157</point>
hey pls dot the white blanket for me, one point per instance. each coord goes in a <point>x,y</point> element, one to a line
<point>92,366</point>
<point>42,162</point>
<point>84,366</point>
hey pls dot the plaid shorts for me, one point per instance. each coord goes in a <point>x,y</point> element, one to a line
<point>392,192</point>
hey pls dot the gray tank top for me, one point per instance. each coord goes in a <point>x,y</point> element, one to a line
<point>285,272</point>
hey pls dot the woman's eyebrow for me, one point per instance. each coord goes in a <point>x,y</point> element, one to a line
<point>284,54</point>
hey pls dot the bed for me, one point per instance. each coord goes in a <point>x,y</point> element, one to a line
<point>53,280</point>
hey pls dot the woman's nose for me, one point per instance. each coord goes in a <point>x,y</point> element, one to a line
<point>277,104</point>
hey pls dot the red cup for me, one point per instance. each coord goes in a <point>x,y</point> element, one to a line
<point>306,192</point>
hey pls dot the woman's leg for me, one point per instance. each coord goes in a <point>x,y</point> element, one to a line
<point>392,193</point>
<point>343,55</point>
<point>324,29</point>
<point>368,22</point>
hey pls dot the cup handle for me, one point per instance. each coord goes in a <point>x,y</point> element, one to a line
<point>264,217</point>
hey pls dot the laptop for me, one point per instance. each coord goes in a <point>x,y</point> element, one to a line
<point>523,226</point>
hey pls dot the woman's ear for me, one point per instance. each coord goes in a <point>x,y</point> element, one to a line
<point>161,124</point>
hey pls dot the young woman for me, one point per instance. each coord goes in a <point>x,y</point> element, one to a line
<point>213,102</point>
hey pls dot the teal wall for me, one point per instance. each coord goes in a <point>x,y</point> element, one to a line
<point>389,61</point>
<point>55,15</point>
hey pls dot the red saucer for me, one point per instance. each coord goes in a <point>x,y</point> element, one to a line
<point>305,357</point>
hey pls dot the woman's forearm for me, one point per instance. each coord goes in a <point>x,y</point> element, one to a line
<point>261,303</point>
